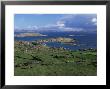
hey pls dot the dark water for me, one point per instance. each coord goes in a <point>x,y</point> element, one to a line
<point>83,40</point>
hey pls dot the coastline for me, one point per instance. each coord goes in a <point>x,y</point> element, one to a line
<point>34,59</point>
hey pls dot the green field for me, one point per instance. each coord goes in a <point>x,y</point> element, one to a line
<point>34,59</point>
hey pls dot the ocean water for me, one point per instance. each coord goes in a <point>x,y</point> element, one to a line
<point>83,40</point>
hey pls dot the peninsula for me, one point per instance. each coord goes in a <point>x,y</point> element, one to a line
<point>34,59</point>
<point>59,39</point>
<point>29,34</point>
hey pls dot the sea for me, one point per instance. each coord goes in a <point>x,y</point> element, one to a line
<point>84,40</point>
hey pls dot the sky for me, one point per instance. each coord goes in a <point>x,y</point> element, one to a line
<point>58,22</point>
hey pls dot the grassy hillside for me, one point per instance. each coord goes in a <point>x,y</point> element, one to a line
<point>34,59</point>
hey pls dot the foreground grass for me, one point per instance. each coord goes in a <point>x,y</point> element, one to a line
<point>33,59</point>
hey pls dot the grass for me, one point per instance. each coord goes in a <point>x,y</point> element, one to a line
<point>38,60</point>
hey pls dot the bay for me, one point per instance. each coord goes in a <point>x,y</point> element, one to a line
<point>83,40</point>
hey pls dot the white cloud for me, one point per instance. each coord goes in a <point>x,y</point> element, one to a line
<point>94,20</point>
<point>69,23</point>
<point>71,29</point>
<point>79,20</point>
<point>34,27</point>
<point>49,26</point>
<point>60,24</point>
<point>68,16</point>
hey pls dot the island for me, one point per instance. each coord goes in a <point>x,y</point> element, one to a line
<point>59,39</point>
<point>71,35</point>
<point>29,34</point>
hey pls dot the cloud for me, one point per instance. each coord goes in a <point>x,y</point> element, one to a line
<point>60,24</point>
<point>71,29</point>
<point>70,22</point>
<point>67,16</point>
<point>94,20</point>
<point>58,27</point>
<point>80,21</point>
<point>33,27</point>
<point>77,22</point>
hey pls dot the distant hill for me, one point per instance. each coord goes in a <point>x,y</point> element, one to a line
<point>28,34</point>
<point>54,30</point>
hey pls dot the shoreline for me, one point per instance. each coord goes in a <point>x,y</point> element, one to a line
<point>43,44</point>
<point>33,59</point>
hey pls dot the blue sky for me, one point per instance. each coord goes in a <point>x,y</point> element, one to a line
<point>61,22</point>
